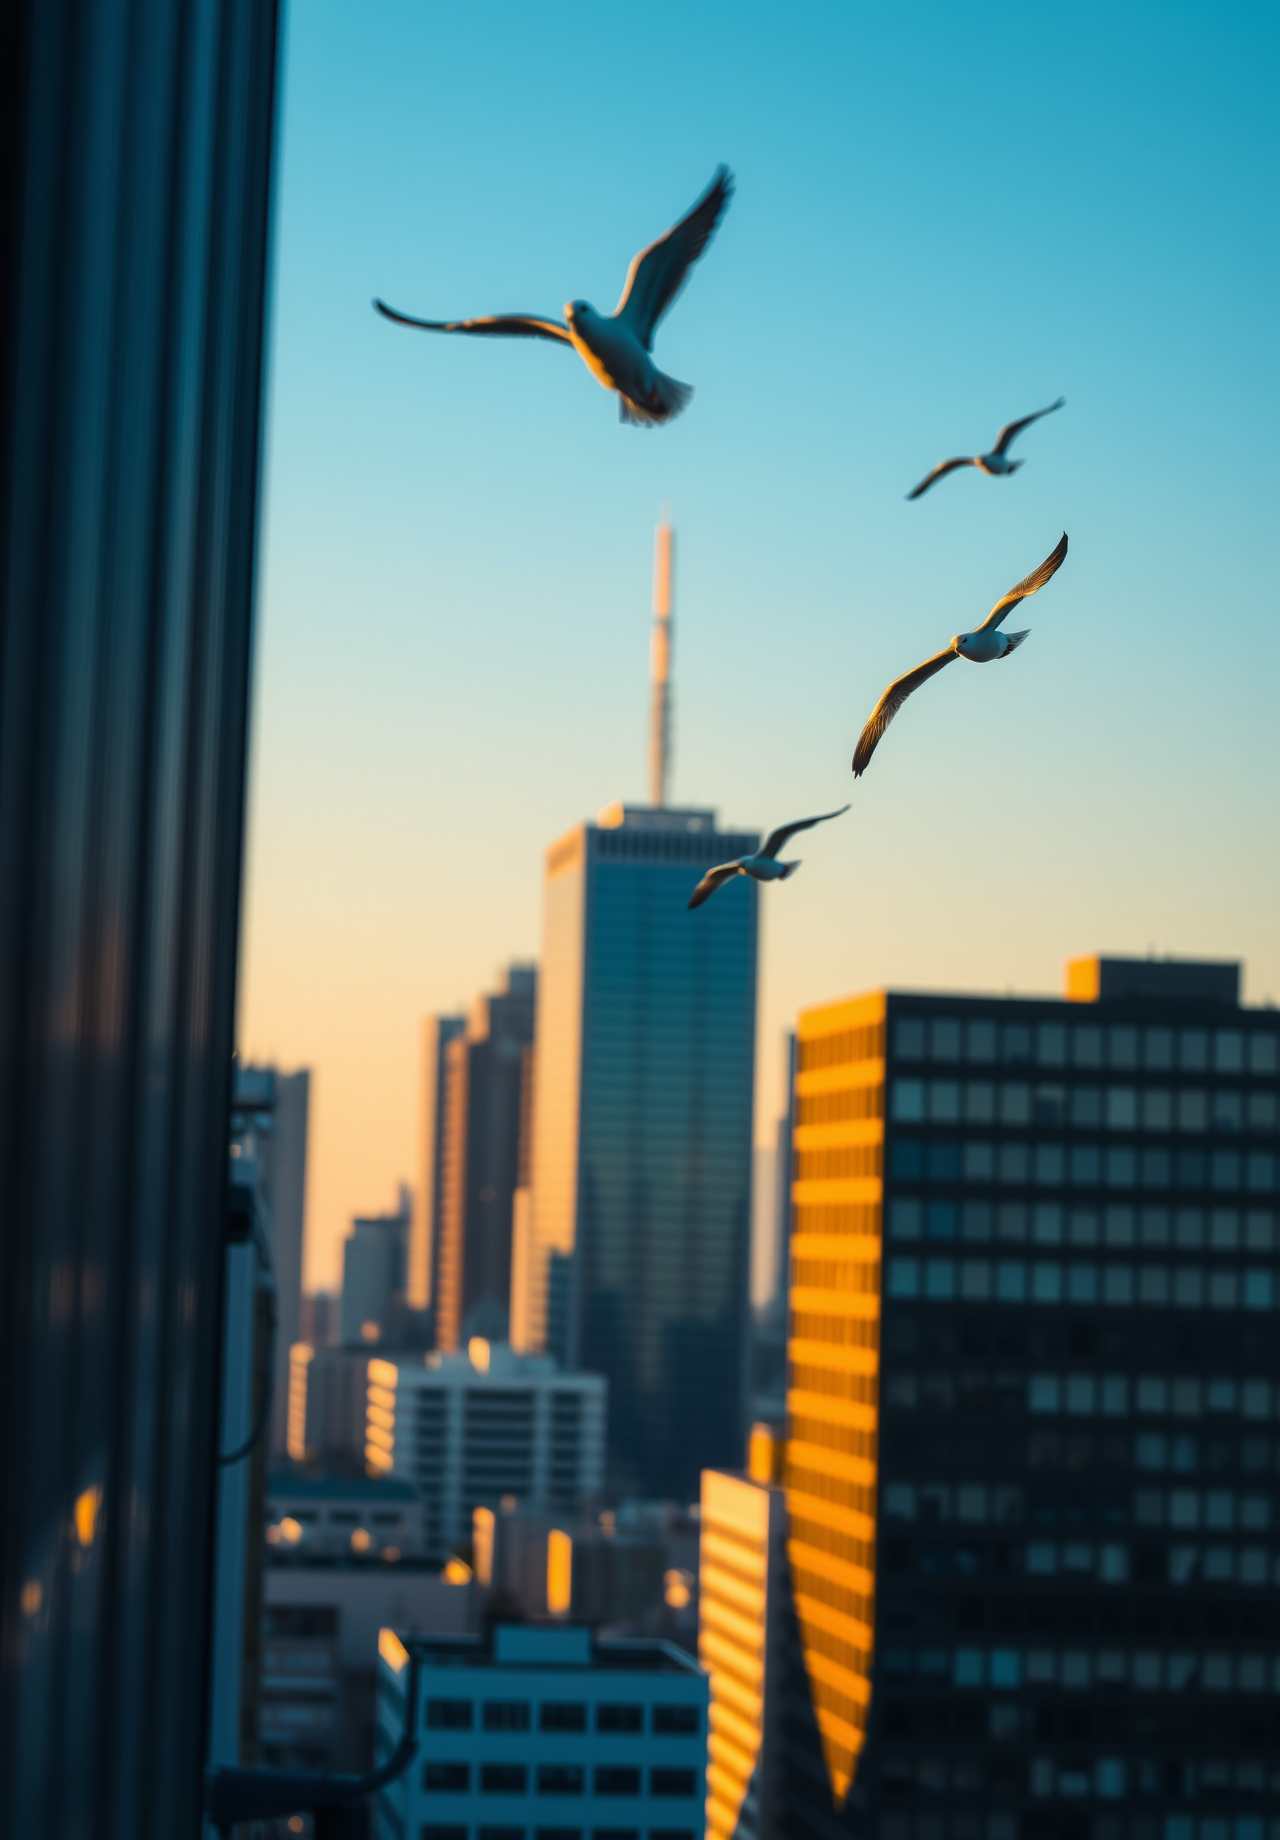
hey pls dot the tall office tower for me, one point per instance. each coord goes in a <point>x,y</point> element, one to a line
<point>467,1429</point>
<point>374,1259</point>
<point>743,1601</point>
<point>437,1033</point>
<point>638,1250</point>
<point>1073,1437</point>
<point>660,668</point>
<point>273,1105</point>
<point>484,1070</point>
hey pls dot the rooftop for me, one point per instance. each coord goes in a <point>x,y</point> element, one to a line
<point>556,1645</point>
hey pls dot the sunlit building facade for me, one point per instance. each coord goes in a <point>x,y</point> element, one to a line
<point>1034,1341</point>
<point>466,1430</point>
<point>637,1256</point>
<point>742,1607</point>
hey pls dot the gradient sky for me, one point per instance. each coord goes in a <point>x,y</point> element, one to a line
<point>946,216</point>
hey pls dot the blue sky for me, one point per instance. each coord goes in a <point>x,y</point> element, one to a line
<point>945,217</point>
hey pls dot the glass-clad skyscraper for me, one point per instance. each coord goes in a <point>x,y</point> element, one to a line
<point>638,1256</point>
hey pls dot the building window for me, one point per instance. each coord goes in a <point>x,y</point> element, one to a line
<point>560,1778</point>
<point>677,1721</point>
<point>617,1779</point>
<point>449,1714</point>
<point>446,1777</point>
<point>562,1715</point>
<point>673,1782</point>
<point>506,1715</point>
<point>504,1778</point>
<point>433,1830</point>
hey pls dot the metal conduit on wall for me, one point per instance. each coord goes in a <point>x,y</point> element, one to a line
<point>135,154</point>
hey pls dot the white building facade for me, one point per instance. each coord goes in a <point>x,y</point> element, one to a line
<point>467,1430</point>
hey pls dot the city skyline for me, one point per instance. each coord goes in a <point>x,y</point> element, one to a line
<point>455,604</point>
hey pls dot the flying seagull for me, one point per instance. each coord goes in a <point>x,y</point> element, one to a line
<point>764,865</point>
<point>997,463</point>
<point>979,647</point>
<point>615,348</point>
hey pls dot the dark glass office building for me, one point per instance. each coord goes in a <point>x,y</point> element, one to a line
<point>1034,1435</point>
<point>638,1258</point>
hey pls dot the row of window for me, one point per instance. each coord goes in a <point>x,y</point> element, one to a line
<point>1184,1287</point>
<point>1119,1108</point>
<point>1047,1224</point>
<point>1248,1776</point>
<point>1083,1395</point>
<point>554,1779</point>
<point>560,1715</point>
<point>1145,1670</point>
<point>456,1830</point>
<point>973,1504</point>
<point>1216,1565</point>
<point>1051,1166</point>
<point>1055,1044</point>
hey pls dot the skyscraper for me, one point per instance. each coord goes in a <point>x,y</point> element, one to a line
<point>633,1254</point>
<point>437,1033</point>
<point>485,1067</point>
<point>642,1136</point>
<point>374,1261</point>
<point>1059,1388</point>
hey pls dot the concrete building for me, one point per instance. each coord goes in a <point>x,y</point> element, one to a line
<point>468,1429</point>
<point>1033,1333</point>
<point>327,1399</point>
<point>320,1624</point>
<point>437,1033</point>
<point>543,1730</point>
<point>742,1643</point>
<point>374,1275</point>
<point>638,1246</point>
<point>487,1068</point>
<point>370,1518</point>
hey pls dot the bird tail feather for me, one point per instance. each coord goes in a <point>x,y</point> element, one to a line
<point>1014,641</point>
<point>788,870</point>
<point>668,398</point>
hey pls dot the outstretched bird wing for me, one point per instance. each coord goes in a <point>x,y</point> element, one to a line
<point>659,272</point>
<point>1028,585</point>
<point>490,325</point>
<point>946,466</point>
<point>724,872</point>
<point>776,839</point>
<point>889,705</point>
<point>1011,429</point>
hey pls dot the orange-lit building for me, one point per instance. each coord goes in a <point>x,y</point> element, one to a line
<point>1033,1387</point>
<point>834,1364</point>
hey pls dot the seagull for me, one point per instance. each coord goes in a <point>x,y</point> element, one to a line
<point>996,463</point>
<point>615,347</point>
<point>764,865</point>
<point>979,647</point>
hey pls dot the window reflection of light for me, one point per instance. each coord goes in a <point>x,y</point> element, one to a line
<point>86,1515</point>
<point>361,1540</point>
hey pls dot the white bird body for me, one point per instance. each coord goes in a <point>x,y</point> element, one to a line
<point>996,464</point>
<point>615,347</point>
<point>764,865</point>
<point>982,646</point>
<point>985,644</point>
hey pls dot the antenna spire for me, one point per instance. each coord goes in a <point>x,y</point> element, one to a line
<point>660,666</point>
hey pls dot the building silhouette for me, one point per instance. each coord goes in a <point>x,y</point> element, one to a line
<point>486,1070</point>
<point>274,1106</point>
<point>437,1033</point>
<point>374,1267</point>
<point>1034,1377</point>
<point>638,1238</point>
